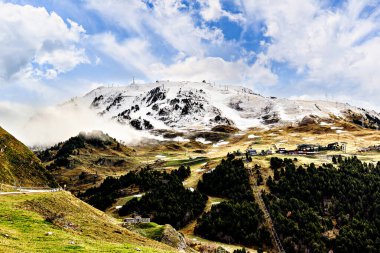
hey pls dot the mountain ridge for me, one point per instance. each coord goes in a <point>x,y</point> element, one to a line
<point>191,105</point>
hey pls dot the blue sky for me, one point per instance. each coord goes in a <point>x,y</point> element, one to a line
<point>53,50</point>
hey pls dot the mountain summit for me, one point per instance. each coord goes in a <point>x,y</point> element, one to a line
<point>194,105</point>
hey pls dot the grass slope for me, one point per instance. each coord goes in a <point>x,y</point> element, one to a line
<point>19,165</point>
<point>75,227</point>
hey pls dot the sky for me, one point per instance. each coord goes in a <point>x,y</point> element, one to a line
<point>53,50</point>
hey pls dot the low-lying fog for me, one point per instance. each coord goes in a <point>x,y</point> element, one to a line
<point>48,126</point>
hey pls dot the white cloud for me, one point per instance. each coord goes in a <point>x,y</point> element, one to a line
<point>54,124</point>
<point>211,10</point>
<point>49,125</point>
<point>167,23</point>
<point>134,54</point>
<point>163,21</point>
<point>335,49</point>
<point>215,69</point>
<point>32,38</point>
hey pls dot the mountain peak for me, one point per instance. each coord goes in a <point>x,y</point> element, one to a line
<point>194,105</point>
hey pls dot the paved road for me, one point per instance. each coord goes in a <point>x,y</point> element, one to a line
<point>29,191</point>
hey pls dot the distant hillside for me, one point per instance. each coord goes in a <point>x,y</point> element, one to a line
<point>59,222</point>
<point>86,159</point>
<point>19,165</point>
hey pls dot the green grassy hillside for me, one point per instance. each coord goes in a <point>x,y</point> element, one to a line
<point>19,165</point>
<point>59,222</point>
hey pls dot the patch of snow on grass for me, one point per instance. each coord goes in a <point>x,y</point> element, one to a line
<point>180,139</point>
<point>336,128</point>
<point>220,143</point>
<point>203,141</point>
<point>252,136</point>
<point>308,138</point>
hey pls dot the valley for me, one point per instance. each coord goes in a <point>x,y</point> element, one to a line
<point>205,126</point>
<point>206,187</point>
<point>170,154</point>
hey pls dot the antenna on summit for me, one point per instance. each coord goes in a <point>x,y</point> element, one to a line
<point>133,82</point>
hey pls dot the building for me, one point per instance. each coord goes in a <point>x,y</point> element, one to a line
<point>136,220</point>
<point>370,149</point>
<point>251,152</point>
<point>333,146</point>
<point>339,146</point>
<point>266,152</point>
<point>310,148</point>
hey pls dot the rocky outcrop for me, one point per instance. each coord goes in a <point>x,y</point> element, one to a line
<point>173,238</point>
<point>308,120</point>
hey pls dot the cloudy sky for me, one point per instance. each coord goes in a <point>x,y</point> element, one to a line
<point>53,50</point>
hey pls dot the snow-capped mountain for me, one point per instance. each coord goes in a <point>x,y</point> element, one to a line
<point>185,105</point>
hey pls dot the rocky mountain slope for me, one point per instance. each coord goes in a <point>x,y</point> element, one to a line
<point>188,105</point>
<point>19,165</point>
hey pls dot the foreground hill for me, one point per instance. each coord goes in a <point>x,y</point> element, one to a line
<point>59,222</point>
<point>19,165</point>
<point>184,105</point>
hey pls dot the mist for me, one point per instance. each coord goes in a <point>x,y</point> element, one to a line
<point>48,126</point>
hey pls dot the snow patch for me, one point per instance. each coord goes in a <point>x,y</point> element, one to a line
<point>336,128</point>
<point>203,141</point>
<point>180,139</point>
<point>220,143</point>
<point>308,138</point>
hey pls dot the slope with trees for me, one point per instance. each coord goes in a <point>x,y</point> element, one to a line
<point>305,203</point>
<point>238,220</point>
